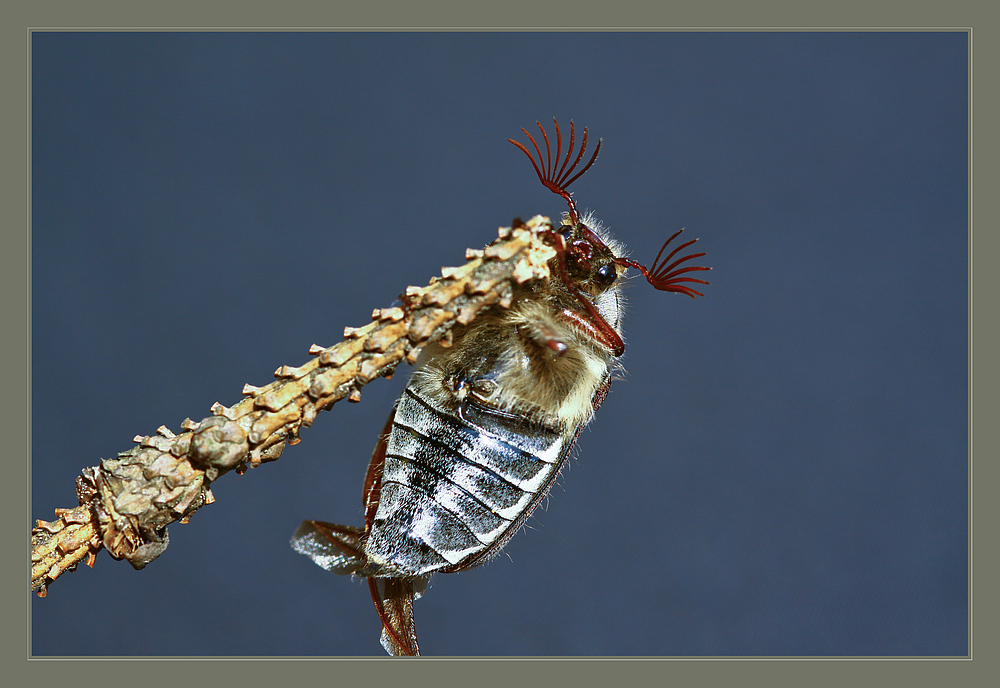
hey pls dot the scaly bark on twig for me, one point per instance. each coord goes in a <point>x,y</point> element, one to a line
<point>126,503</point>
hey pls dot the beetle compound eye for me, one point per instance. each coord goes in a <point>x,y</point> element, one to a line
<point>606,275</point>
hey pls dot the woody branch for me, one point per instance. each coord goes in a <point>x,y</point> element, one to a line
<point>126,503</point>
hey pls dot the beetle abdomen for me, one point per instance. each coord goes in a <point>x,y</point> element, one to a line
<point>455,483</point>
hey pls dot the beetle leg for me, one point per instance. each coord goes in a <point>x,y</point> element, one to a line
<point>373,478</point>
<point>393,599</point>
<point>340,549</point>
<point>543,334</point>
<point>336,548</point>
<point>595,326</point>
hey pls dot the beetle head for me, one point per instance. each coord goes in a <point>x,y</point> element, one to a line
<point>588,259</point>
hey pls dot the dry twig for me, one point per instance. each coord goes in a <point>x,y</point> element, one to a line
<point>126,503</point>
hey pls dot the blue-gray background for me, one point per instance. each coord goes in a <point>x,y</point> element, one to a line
<point>782,471</point>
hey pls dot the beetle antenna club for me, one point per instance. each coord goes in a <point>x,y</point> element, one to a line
<point>558,181</point>
<point>665,276</point>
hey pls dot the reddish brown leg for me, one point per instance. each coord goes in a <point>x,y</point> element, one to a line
<point>345,538</point>
<point>393,599</point>
<point>373,479</point>
<point>595,326</point>
<point>542,334</point>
